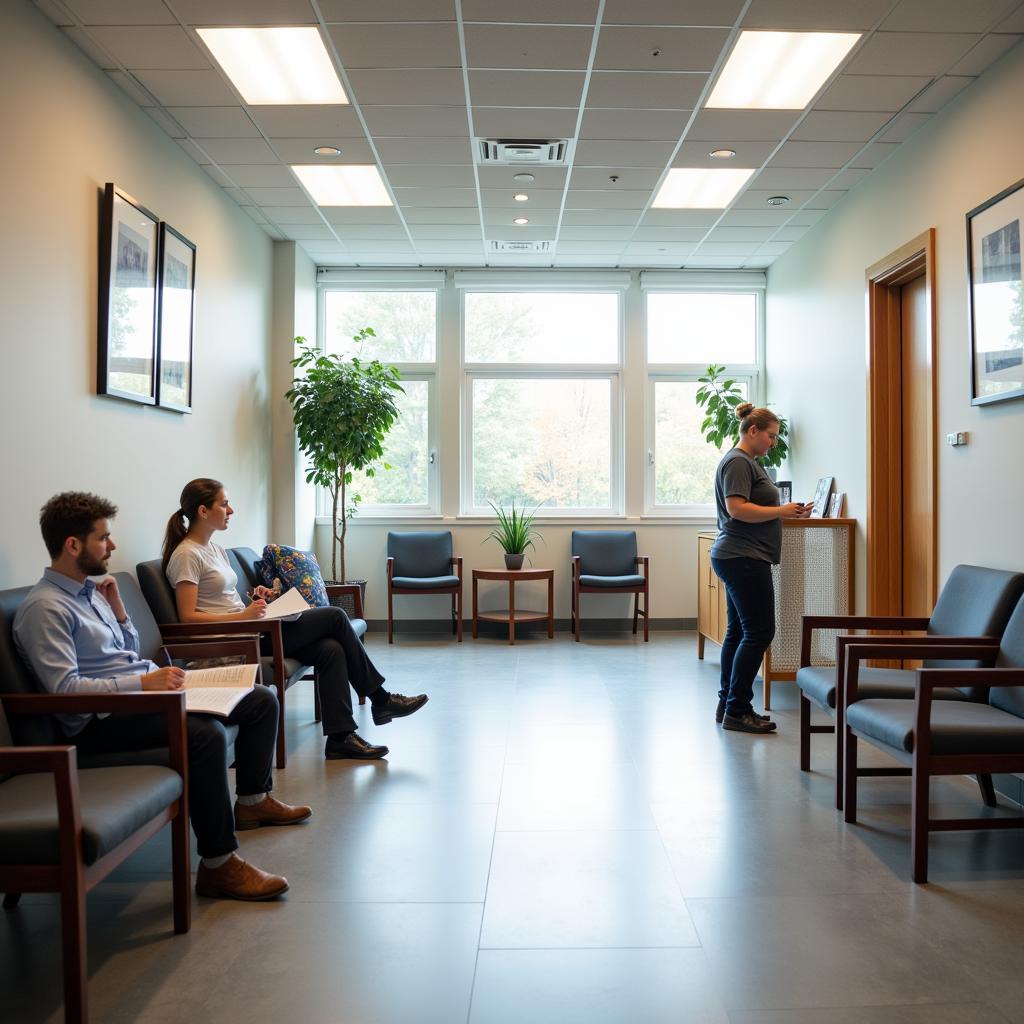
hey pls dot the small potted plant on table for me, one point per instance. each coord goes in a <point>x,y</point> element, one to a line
<point>514,532</point>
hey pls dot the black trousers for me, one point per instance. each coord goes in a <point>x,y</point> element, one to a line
<point>325,639</point>
<point>210,807</point>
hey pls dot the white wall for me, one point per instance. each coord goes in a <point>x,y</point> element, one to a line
<point>816,324</point>
<point>67,129</point>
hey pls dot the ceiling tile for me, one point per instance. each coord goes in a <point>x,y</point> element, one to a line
<point>388,10</point>
<point>437,215</point>
<point>300,151</point>
<point>914,53</point>
<point>188,88</point>
<point>194,151</point>
<point>540,198</point>
<point>435,197</point>
<point>698,153</point>
<point>848,178</point>
<point>822,15</point>
<point>386,215</point>
<point>527,234</point>
<point>430,175</point>
<point>218,175</point>
<point>839,126</point>
<point>309,232</point>
<point>293,214</point>
<point>748,234</point>
<point>943,16</point>
<point>592,153</point>
<point>424,151</point>
<point>564,12</point>
<point>628,177</point>
<point>783,178</point>
<point>815,154</point>
<point>567,247</point>
<point>378,231</point>
<point>617,218</point>
<point>168,123</point>
<point>153,47</point>
<point>743,125</point>
<point>293,196</point>
<point>634,124</point>
<point>677,234</point>
<point>450,232</point>
<point>989,50</point>
<point>807,217</point>
<point>431,44</point>
<point>215,122</point>
<point>512,46</point>
<point>238,151</point>
<point>378,245</point>
<point>335,121</point>
<point>757,218</point>
<point>448,245</point>
<point>903,127</point>
<point>874,154</point>
<point>92,49</point>
<point>826,199</point>
<point>245,12</point>
<point>606,200</point>
<point>255,213</point>
<point>700,260</point>
<point>259,175</point>
<point>677,90</point>
<point>405,121</point>
<point>128,85</point>
<point>659,49</point>
<point>727,248</point>
<point>595,233</point>
<point>528,123</point>
<point>671,12</point>
<point>934,99</point>
<point>871,92</point>
<point>440,86</point>
<point>789,233</point>
<point>526,88</point>
<point>503,177</point>
<point>1014,23</point>
<point>680,218</point>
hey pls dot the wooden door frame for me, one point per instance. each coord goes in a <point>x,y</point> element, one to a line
<point>885,280</point>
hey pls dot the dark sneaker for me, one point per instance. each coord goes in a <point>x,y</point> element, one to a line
<point>720,711</point>
<point>747,723</point>
<point>397,707</point>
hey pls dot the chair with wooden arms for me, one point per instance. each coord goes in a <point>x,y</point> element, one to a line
<point>605,562</point>
<point>420,564</point>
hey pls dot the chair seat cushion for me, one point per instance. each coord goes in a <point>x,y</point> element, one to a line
<point>818,683</point>
<point>424,582</point>
<point>293,671</point>
<point>115,803</point>
<point>958,727</point>
<point>611,581</point>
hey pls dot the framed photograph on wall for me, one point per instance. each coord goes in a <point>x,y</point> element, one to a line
<point>821,493</point>
<point>996,297</point>
<point>176,287</point>
<point>126,338</point>
<point>785,491</point>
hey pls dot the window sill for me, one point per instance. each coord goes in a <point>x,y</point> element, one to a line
<point>565,521</point>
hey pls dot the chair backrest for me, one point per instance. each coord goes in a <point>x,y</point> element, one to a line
<point>159,594</point>
<point>421,553</point>
<point>243,561</point>
<point>605,552</point>
<point>16,677</point>
<point>1011,655</point>
<point>142,617</point>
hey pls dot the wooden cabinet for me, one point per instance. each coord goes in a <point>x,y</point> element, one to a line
<point>711,616</point>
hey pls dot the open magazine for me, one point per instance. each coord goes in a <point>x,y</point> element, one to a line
<point>216,691</point>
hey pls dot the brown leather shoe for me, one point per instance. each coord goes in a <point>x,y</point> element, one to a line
<point>269,811</point>
<point>237,879</point>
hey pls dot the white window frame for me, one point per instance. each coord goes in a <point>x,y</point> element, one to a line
<point>612,372</point>
<point>409,372</point>
<point>752,374</point>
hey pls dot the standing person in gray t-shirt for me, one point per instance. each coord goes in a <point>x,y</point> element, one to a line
<point>748,544</point>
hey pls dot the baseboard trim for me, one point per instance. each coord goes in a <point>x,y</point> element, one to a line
<point>431,627</point>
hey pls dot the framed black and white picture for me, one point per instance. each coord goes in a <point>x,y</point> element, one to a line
<point>785,491</point>
<point>996,297</point>
<point>835,505</point>
<point>177,283</point>
<point>126,339</point>
<point>821,493</point>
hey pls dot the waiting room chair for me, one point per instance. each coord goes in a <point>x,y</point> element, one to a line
<point>976,602</point>
<point>420,564</point>
<point>605,562</point>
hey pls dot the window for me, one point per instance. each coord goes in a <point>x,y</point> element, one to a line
<point>541,400</point>
<point>405,329</point>
<point>687,331</point>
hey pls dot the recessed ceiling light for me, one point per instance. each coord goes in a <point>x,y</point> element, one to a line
<point>722,154</point>
<point>327,151</point>
<point>521,220</point>
<point>779,70</point>
<point>699,188</point>
<point>343,184</point>
<point>777,200</point>
<point>524,178</point>
<point>276,65</point>
<point>520,197</point>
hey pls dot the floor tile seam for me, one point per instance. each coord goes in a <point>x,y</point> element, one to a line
<point>292,898</point>
<point>866,1006</point>
<point>584,949</point>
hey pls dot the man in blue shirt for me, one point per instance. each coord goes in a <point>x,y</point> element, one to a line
<point>77,637</point>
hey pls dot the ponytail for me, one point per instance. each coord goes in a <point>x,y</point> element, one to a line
<point>175,533</point>
<point>200,492</point>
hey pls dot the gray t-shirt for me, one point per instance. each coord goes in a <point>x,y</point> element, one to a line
<point>207,566</point>
<point>739,475</point>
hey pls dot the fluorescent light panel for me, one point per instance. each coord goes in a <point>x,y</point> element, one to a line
<point>276,65</point>
<point>779,70</point>
<point>700,188</point>
<point>343,184</point>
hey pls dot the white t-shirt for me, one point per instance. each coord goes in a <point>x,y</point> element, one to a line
<point>208,567</point>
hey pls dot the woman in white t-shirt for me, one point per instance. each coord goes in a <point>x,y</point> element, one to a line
<point>205,591</point>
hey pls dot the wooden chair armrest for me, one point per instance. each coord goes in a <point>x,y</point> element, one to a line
<point>574,567</point>
<point>356,591</point>
<point>645,561</point>
<point>62,761</point>
<point>390,569</point>
<point>933,678</point>
<point>249,647</point>
<point>270,627</point>
<point>457,562</point>
<point>35,759</point>
<point>809,623</point>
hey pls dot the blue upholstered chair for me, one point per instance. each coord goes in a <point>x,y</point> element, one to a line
<point>605,562</point>
<point>420,563</point>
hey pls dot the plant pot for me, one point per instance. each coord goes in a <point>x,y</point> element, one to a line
<point>346,601</point>
<point>514,561</point>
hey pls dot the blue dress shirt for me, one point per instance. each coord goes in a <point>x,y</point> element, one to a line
<point>68,633</point>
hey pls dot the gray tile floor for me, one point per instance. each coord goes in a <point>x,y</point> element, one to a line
<point>561,835</point>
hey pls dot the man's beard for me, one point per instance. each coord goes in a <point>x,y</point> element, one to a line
<point>89,566</point>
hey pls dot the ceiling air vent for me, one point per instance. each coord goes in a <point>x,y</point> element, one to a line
<point>516,245</point>
<point>522,151</point>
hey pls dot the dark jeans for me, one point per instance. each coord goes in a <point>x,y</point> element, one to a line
<point>213,818</point>
<point>325,639</point>
<point>750,604</point>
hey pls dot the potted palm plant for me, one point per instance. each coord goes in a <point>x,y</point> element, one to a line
<point>515,533</point>
<point>343,410</point>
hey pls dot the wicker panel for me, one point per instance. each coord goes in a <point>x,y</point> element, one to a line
<point>813,579</point>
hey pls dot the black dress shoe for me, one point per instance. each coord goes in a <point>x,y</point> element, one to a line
<point>351,745</point>
<point>720,712</point>
<point>747,723</point>
<point>397,707</point>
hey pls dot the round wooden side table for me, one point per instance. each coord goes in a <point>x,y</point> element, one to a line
<point>512,614</point>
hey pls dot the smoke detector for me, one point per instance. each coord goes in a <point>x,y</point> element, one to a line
<point>522,151</point>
